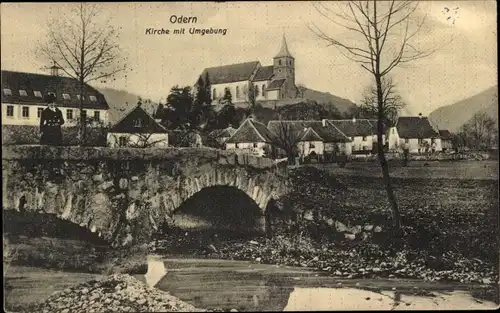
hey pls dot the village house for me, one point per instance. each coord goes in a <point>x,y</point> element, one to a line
<point>446,143</point>
<point>252,137</point>
<point>273,82</point>
<point>416,133</point>
<point>318,138</point>
<point>359,131</point>
<point>23,98</point>
<point>137,129</point>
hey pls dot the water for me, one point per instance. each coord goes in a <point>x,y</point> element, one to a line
<point>246,286</point>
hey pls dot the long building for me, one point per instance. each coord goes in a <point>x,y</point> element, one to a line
<point>24,94</point>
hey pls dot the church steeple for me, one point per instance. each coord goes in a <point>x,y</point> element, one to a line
<point>284,49</point>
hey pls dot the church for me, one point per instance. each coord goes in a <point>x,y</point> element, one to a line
<point>270,83</point>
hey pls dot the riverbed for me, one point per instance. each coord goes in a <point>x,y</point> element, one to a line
<point>249,286</point>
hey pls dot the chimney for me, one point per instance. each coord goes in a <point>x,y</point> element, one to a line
<point>353,119</point>
<point>419,115</point>
<point>323,121</point>
<point>54,70</point>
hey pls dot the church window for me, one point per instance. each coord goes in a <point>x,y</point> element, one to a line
<point>237,91</point>
<point>279,62</point>
<point>214,94</point>
<point>256,90</point>
<point>263,89</point>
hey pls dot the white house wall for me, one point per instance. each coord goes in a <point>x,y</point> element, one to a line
<point>34,120</point>
<point>155,140</point>
<point>305,148</point>
<point>358,144</point>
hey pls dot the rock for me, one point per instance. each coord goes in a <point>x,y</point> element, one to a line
<point>349,236</point>
<point>486,281</point>
<point>84,291</point>
<point>253,242</point>
<point>339,284</point>
<point>258,259</point>
<point>315,259</point>
<point>141,301</point>
<point>338,273</point>
<point>233,310</point>
<point>368,227</point>
<point>134,178</point>
<point>97,177</point>
<point>378,229</point>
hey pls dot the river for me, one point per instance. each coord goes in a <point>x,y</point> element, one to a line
<point>246,286</point>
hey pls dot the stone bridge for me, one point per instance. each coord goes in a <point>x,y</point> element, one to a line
<point>128,193</point>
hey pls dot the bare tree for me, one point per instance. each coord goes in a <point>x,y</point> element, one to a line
<point>84,49</point>
<point>139,140</point>
<point>480,131</point>
<point>286,139</point>
<point>391,105</point>
<point>385,41</point>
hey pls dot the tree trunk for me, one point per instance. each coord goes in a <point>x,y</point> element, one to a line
<point>381,156</point>
<point>81,126</point>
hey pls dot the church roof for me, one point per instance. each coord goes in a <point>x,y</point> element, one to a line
<point>275,84</point>
<point>230,73</point>
<point>264,73</point>
<point>137,121</point>
<point>251,131</point>
<point>284,49</point>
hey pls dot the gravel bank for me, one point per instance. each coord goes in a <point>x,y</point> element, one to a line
<point>116,293</point>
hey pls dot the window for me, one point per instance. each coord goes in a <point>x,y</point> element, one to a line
<point>23,93</point>
<point>39,112</point>
<point>69,114</point>
<point>263,89</point>
<point>37,93</point>
<point>214,94</point>
<point>84,113</point>
<point>122,141</point>
<point>256,90</point>
<point>237,91</point>
<point>364,138</point>
<point>255,145</point>
<point>10,111</point>
<point>26,112</point>
<point>78,97</point>
<point>7,92</point>
<point>138,123</point>
<point>279,62</point>
<point>97,115</point>
<point>93,98</point>
<point>66,96</point>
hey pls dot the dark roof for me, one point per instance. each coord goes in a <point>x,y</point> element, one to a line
<point>223,133</point>
<point>445,134</point>
<point>360,127</point>
<point>230,73</point>
<point>328,133</point>
<point>310,135</point>
<point>46,84</point>
<point>149,125</point>
<point>264,73</point>
<point>415,127</point>
<point>275,84</point>
<point>251,131</point>
<point>374,125</point>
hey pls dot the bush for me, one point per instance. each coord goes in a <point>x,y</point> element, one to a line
<point>30,135</point>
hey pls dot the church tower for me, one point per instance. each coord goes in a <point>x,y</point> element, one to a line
<point>284,68</point>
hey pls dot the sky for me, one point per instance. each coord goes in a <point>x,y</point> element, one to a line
<point>464,64</point>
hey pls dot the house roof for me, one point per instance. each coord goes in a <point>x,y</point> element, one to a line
<point>224,133</point>
<point>59,85</point>
<point>310,135</point>
<point>327,133</point>
<point>444,134</point>
<point>251,131</point>
<point>264,73</point>
<point>415,127</point>
<point>127,123</point>
<point>359,127</point>
<point>374,125</point>
<point>275,84</point>
<point>284,49</point>
<point>230,73</point>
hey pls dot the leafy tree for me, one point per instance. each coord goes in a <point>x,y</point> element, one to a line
<point>160,112</point>
<point>228,97</point>
<point>180,105</point>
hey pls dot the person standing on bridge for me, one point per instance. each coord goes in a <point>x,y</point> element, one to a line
<point>51,121</point>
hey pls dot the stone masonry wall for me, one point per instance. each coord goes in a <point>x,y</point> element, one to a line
<point>125,194</point>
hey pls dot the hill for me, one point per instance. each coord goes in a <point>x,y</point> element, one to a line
<point>121,101</point>
<point>343,105</point>
<point>453,116</point>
